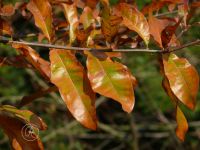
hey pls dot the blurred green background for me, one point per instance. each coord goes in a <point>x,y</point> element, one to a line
<point>150,126</point>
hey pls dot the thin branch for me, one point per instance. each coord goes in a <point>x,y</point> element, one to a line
<point>7,40</point>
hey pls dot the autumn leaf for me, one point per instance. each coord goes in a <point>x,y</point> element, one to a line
<point>34,58</point>
<point>156,26</point>
<point>5,28</point>
<point>41,11</point>
<point>134,20</point>
<point>183,79</point>
<point>7,10</point>
<point>110,23</point>
<point>71,15</point>
<point>182,125</point>
<point>112,80</point>
<point>70,78</point>
<point>86,17</point>
<point>16,123</point>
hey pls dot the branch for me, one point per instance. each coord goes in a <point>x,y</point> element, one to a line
<point>7,40</point>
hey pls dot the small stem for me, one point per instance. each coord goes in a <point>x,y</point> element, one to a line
<point>6,40</point>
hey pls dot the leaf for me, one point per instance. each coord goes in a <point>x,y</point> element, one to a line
<point>70,78</point>
<point>42,13</point>
<point>18,124</point>
<point>134,20</point>
<point>34,58</point>
<point>86,17</point>
<point>110,23</point>
<point>182,125</point>
<point>112,80</point>
<point>156,26</point>
<point>71,15</point>
<point>5,28</point>
<point>7,10</point>
<point>183,79</point>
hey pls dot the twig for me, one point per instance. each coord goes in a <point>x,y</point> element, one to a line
<point>6,40</point>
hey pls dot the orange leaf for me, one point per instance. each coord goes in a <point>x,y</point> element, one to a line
<point>134,20</point>
<point>41,10</point>
<point>18,124</point>
<point>111,79</point>
<point>7,10</point>
<point>156,26</point>
<point>34,58</point>
<point>183,79</point>
<point>70,78</point>
<point>182,125</point>
<point>5,27</point>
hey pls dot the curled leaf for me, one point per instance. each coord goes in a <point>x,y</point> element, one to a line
<point>71,15</point>
<point>18,124</point>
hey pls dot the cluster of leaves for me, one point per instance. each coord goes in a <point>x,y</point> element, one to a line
<point>99,24</point>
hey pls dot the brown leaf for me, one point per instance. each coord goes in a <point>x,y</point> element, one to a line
<point>134,20</point>
<point>41,10</point>
<point>18,124</point>
<point>7,10</point>
<point>110,23</point>
<point>34,58</point>
<point>70,78</point>
<point>183,79</point>
<point>16,61</point>
<point>111,79</point>
<point>5,28</point>
<point>156,26</point>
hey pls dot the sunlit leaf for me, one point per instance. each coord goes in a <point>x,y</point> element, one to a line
<point>183,79</point>
<point>86,17</point>
<point>71,15</point>
<point>111,79</point>
<point>42,12</point>
<point>134,20</point>
<point>70,78</point>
